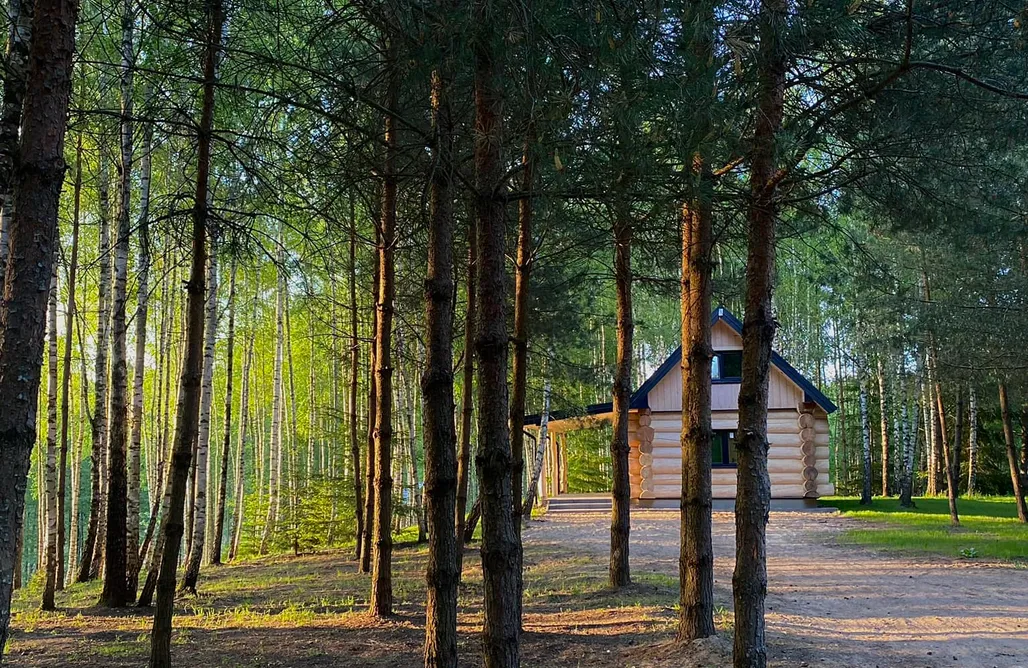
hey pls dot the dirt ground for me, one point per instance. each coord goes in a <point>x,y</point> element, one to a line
<point>843,606</point>
<point>828,605</point>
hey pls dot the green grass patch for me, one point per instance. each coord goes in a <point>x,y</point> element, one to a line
<point>988,529</point>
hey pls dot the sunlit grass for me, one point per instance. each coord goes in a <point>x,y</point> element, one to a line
<point>989,528</point>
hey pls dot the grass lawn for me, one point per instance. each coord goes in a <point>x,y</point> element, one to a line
<point>988,527</point>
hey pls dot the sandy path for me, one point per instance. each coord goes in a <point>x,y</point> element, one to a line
<point>841,606</point>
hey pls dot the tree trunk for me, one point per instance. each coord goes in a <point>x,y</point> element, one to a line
<point>219,516</point>
<point>540,452</point>
<point>437,379</point>
<point>116,567</point>
<point>142,312</point>
<point>1008,438</point>
<point>1024,439</point>
<point>203,435</point>
<point>696,559</point>
<point>381,602</point>
<point>519,364</point>
<point>865,436</point>
<point>753,488</point>
<point>50,580</point>
<point>369,484</point>
<point>69,320</point>
<point>189,383</point>
<point>883,415</point>
<point>16,62</point>
<point>277,401</point>
<point>355,449</point>
<point>89,567</point>
<point>909,445</point>
<point>244,415</point>
<point>467,393</point>
<point>501,565</point>
<point>953,468</point>
<point>620,519</point>
<point>38,175</point>
<point>972,444</point>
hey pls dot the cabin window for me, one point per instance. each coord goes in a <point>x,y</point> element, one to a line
<point>726,367</point>
<point>722,451</point>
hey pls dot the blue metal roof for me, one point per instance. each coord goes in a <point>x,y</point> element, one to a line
<point>810,392</point>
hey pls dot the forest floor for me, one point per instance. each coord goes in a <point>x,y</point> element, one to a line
<point>829,604</point>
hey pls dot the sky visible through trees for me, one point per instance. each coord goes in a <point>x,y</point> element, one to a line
<point>285,278</point>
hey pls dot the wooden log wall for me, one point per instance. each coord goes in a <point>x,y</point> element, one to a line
<point>797,459</point>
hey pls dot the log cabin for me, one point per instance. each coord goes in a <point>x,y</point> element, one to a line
<point>797,426</point>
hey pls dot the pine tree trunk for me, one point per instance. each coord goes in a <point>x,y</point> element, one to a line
<point>16,62</point>
<point>244,414</point>
<point>381,603</point>
<point>355,449</point>
<point>219,516</point>
<point>32,240</point>
<point>369,483</point>
<point>69,321</point>
<point>696,559</point>
<point>440,440</point>
<point>620,519</point>
<point>277,401</point>
<point>865,436</point>
<point>189,383</point>
<point>1008,438</point>
<point>501,565</point>
<point>532,492</point>
<point>203,436</point>
<point>753,487</point>
<point>142,313</point>
<point>972,444</point>
<point>467,393</point>
<point>50,580</point>
<point>883,415</point>
<point>522,275</point>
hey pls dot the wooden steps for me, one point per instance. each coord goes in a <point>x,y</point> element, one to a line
<point>579,503</point>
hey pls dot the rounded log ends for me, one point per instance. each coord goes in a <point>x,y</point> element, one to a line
<point>647,487</point>
<point>645,420</point>
<point>805,421</point>
<point>808,434</point>
<point>808,449</point>
<point>646,448</point>
<point>646,474</point>
<point>810,489</point>
<point>810,474</point>
<point>645,460</point>
<point>645,434</point>
<point>647,494</point>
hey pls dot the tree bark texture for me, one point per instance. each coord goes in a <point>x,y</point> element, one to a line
<point>501,567</point>
<point>696,559</point>
<point>753,486</point>
<point>191,375</point>
<point>381,531</point>
<point>203,435</point>
<point>226,440</point>
<point>1008,438</point>
<point>37,176</point>
<point>437,380</point>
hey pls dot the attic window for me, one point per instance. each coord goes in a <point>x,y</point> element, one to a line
<point>726,367</point>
